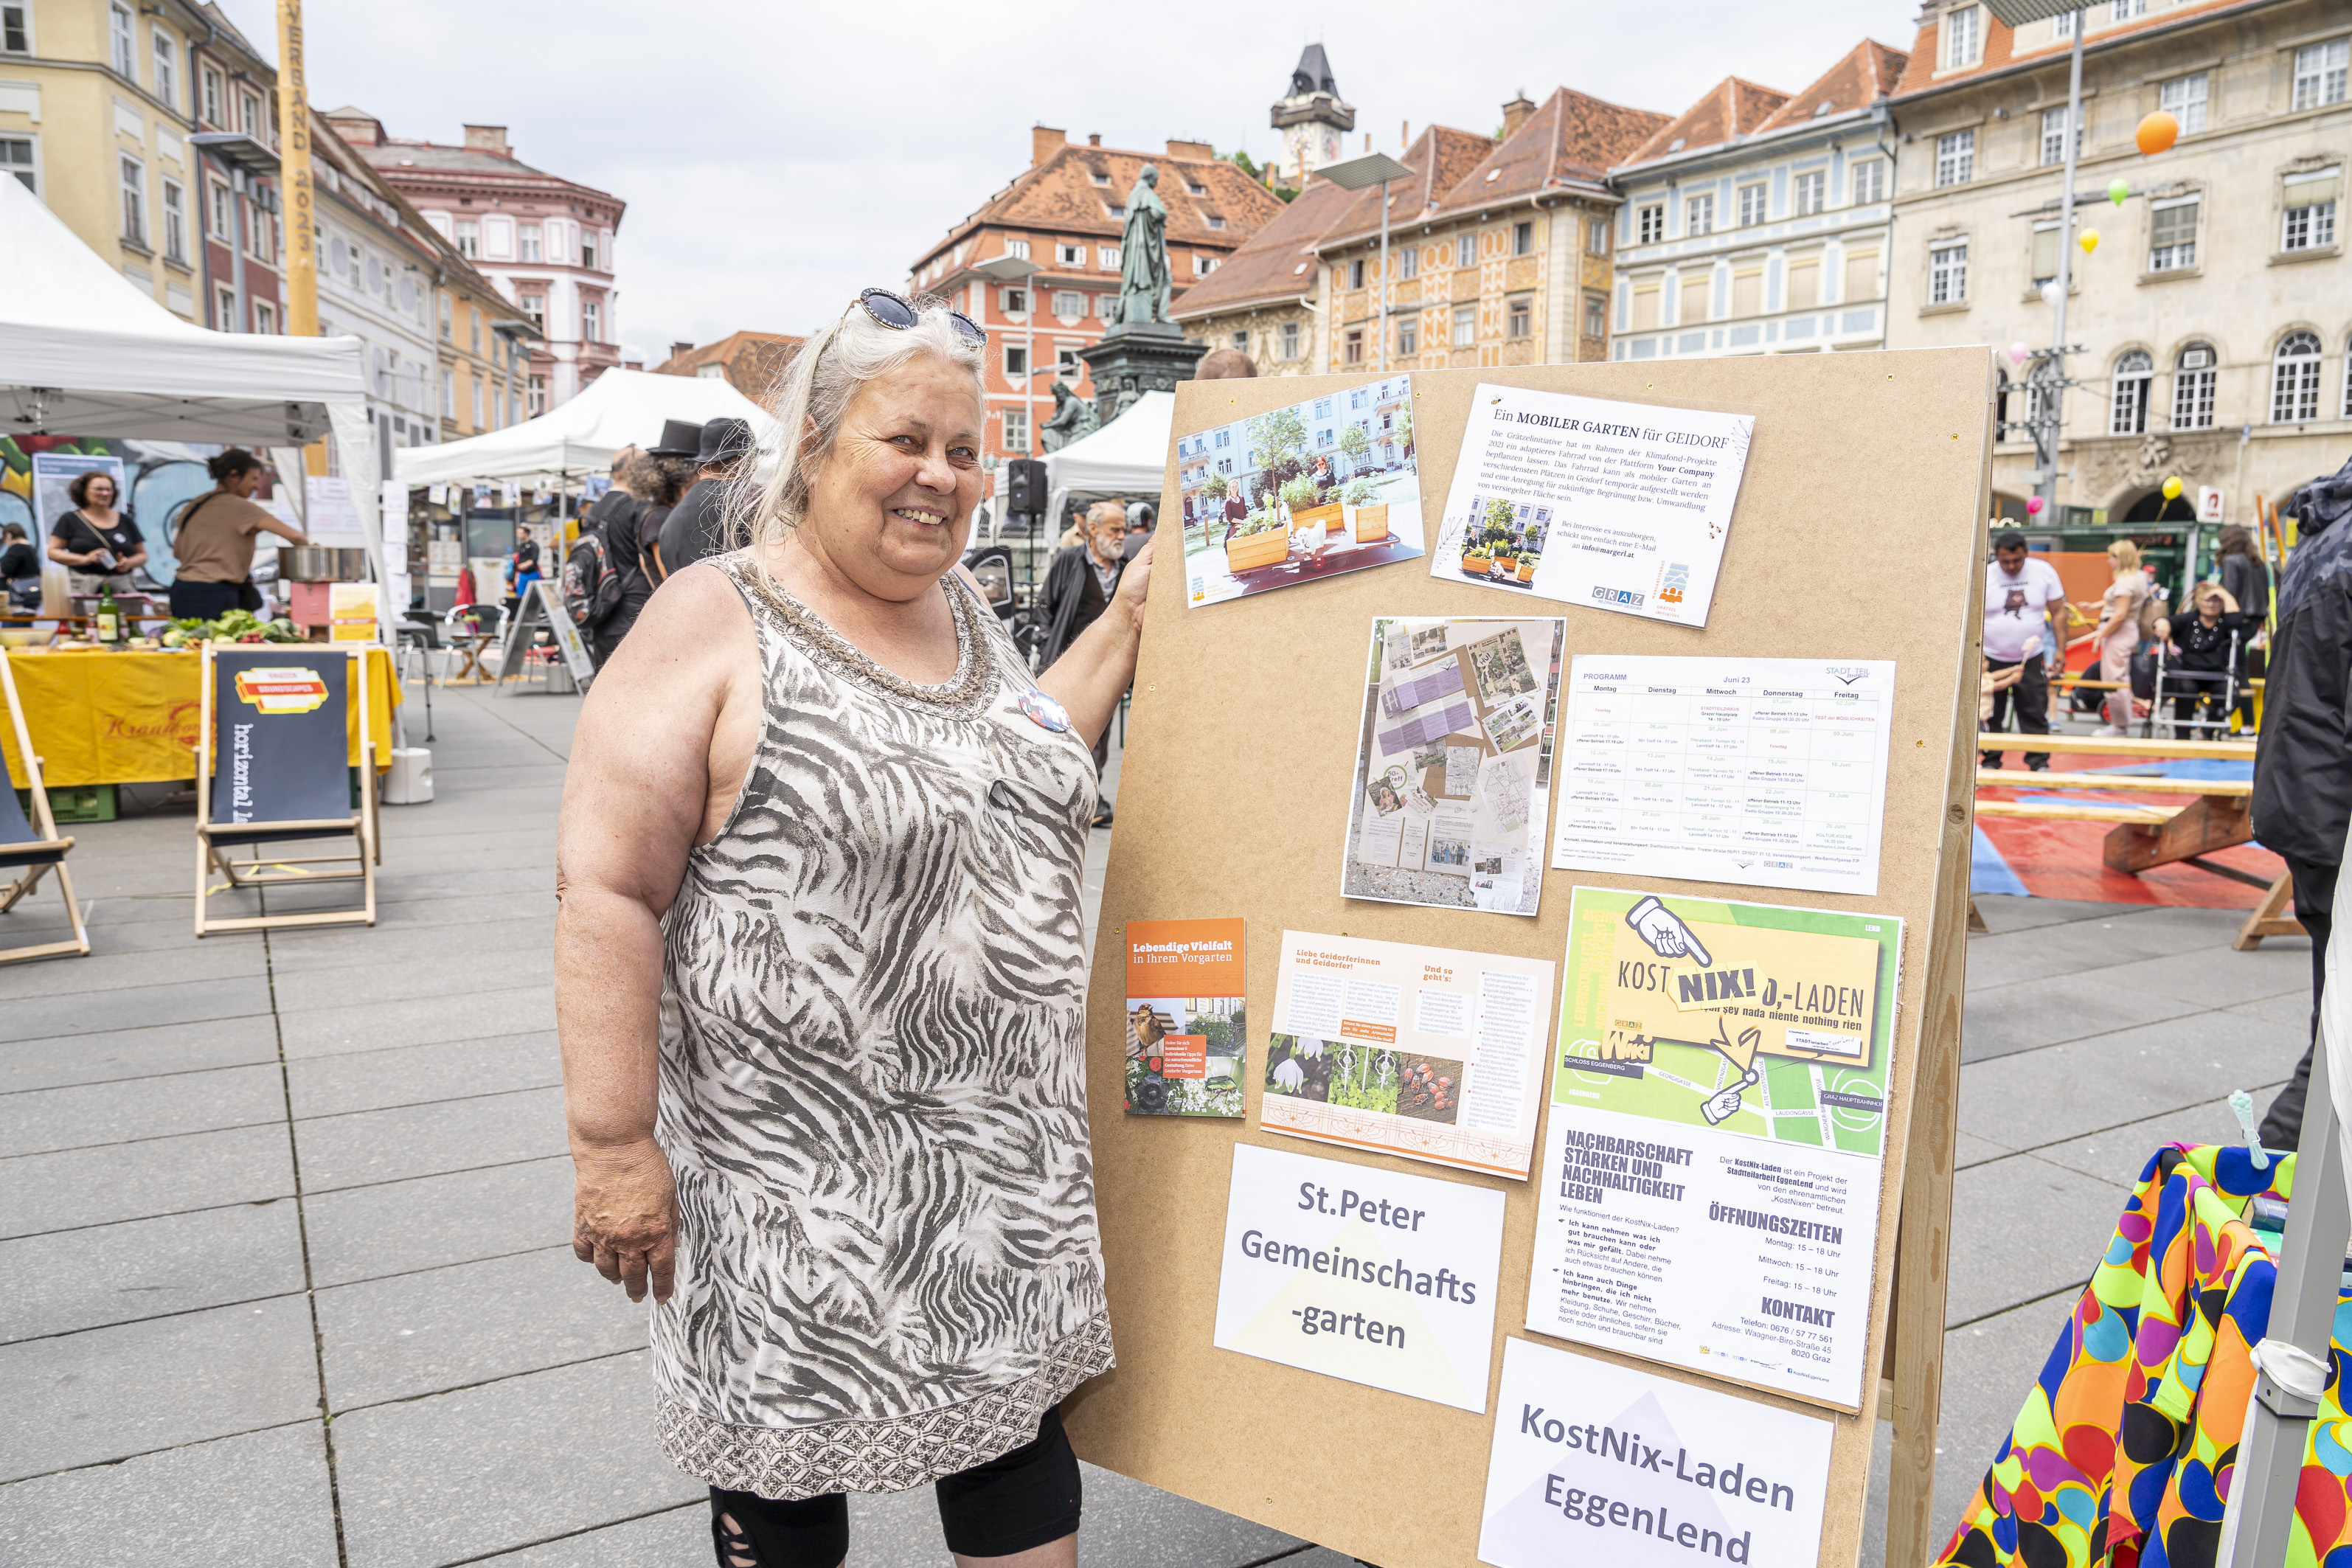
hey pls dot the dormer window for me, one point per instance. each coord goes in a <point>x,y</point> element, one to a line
<point>1197,189</point>
<point>1100,178</point>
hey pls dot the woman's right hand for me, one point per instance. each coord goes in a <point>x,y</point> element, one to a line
<point>625,1215</point>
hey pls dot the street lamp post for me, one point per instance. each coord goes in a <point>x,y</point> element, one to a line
<point>1372,169</point>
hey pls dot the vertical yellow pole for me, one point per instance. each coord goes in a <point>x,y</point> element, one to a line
<point>294,176</point>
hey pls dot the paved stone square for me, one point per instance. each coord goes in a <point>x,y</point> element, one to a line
<point>288,1215</point>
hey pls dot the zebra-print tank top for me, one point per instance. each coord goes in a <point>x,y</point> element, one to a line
<point>872,1079</point>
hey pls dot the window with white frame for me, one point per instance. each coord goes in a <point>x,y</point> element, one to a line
<point>210,106</point>
<point>2062,26</point>
<point>1596,236</point>
<point>221,216</point>
<point>1650,224</point>
<point>1699,214</point>
<point>1596,315</point>
<point>2127,407</point>
<point>134,203</point>
<point>474,324</point>
<point>1289,339</point>
<point>166,73</point>
<point>15,31</point>
<point>1017,247</point>
<point>2183,98</point>
<point>2319,73</point>
<point>1356,273</point>
<point>248,113</point>
<point>1465,250</point>
<point>1809,192</point>
<point>225,310</point>
<point>469,238</point>
<point>1408,336</point>
<point>265,316</point>
<point>592,321</point>
<point>478,402</point>
<point>1947,273</point>
<point>1963,37</point>
<point>1069,302</point>
<point>1241,343</point>
<point>448,317</point>
<point>2294,379</point>
<point>175,221</point>
<point>2310,221</point>
<point>2053,135</point>
<point>1752,204</point>
<point>1203,265</point>
<point>2046,241</point>
<point>537,392</point>
<point>16,158</point>
<point>1013,301</point>
<point>2172,233</point>
<point>1523,238</point>
<point>1519,316</point>
<point>1107,257</point>
<point>118,17</point>
<point>1351,351</point>
<point>588,251</point>
<point>1465,326</point>
<point>1869,181</point>
<point>1016,361</point>
<point>1016,429</point>
<point>1069,256</point>
<point>449,394</point>
<point>528,240</point>
<point>1956,158</point>
<point>2127,10</point>
<point>259,233</point>
<point>1408,261</point>
<point>1107,306</point>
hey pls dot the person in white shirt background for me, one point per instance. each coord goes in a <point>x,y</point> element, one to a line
<point>2021,595</point>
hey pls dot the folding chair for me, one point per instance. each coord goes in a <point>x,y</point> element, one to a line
<point>31,849</point>
<point>272,766</point>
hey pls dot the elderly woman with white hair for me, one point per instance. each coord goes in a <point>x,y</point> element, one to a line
<point>821,984</point>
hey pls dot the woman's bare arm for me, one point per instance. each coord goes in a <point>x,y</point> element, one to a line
<point>1095,670</point>
<point>676,704</point>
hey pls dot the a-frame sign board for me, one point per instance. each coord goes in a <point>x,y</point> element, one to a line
<point>1859,533</point>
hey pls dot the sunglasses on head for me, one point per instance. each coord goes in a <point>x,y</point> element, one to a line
<point>893,310</point>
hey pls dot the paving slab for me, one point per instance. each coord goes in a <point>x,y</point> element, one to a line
<point>1968,1148</point>
<point>451,975</point>
<point>2225,979</point>
<point>108,975</point>
<point>1988,1368</point>
<point>370,1146</point>
<point>115,1182</point>
<point>185,1002</point>
<point>424,1020</point>
<point>73,1280</point>
<point>135,1388</point>
<point>2002,1020</point>
<point>2023,1227</point>
<point>2024,1100</point>
<point>449,1328</point>
<point>114,1054</point>
<point>2119,1154</point>
<point>85,1114</point>
<point>493,1468</point>
<point>372,1233</point>
<point>300,952</point>
<point>258,1500</point>
<point>388,1075</point>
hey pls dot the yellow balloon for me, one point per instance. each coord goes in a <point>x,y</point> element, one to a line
<point>2089,240</point>
<point>2172,490</point>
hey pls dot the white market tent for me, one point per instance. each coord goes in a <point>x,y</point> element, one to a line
<point>85,352</point>
<point>1128,456</point>
<point>619,408</point>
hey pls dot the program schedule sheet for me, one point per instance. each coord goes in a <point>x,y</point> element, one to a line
<point>1766,772</point>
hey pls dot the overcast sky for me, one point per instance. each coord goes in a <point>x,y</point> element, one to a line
<point>777,160</point>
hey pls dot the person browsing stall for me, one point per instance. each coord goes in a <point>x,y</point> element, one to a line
<point>696,528</point>
<point>20,569</point>
<point>2023,596</point>
<point>216,539</point>
<point>97,544</point>
<point>1080,584</point>
<point>821,978</point>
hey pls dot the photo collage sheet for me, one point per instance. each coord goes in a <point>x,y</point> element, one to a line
<point>1711,1131</point>
<point>1454,774</point>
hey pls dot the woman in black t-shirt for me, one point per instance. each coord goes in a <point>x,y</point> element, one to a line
<point>98,545</point>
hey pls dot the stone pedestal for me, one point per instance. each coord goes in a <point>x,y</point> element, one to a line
<point>1138,357</point>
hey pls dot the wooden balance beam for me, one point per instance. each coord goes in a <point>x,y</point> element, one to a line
<point>2111,746</point>
<point>2145,835</point>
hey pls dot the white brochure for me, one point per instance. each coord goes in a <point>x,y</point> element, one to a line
<point>1768,771</point>
<point>1615,506</point>
<point>1379,1278</point>
<point>1598,1463</point>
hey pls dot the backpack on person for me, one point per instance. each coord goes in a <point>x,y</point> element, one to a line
<point>592,584</point>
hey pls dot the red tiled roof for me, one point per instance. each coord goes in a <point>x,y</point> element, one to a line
<point>1572,137</point>
<point>1278,262</point>
<point>749,361</point>
<point>1919,74</point>
<point>1440,158</point>
<point>1867,73</point>
<point>1732,108</point>
<point>1061,196</point>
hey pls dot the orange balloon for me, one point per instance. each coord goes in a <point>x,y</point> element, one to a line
<point>2157,133</point>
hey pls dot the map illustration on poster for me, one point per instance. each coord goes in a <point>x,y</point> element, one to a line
<point>1714,1155</point>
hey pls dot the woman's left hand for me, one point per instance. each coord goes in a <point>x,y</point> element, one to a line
<point>1135,583</point>
<point>625,1215</point>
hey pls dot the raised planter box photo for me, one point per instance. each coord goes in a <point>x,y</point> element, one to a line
<point>1368,524</point>
<point>1248,550</point>
<point>1329,516</point>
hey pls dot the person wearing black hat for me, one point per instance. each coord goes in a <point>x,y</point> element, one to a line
<point>697,528</point>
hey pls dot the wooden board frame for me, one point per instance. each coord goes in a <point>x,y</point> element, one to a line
<point>1867,470</point>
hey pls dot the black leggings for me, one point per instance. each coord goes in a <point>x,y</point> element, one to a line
<point>1013,1503</point>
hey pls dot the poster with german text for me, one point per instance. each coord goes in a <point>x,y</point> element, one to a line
<point>1420,1051</point>
<point>1186,1031</point>
<point>1613,506</point>
<point>1714,1155</point>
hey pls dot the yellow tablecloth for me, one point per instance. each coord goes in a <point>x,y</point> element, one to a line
<point>100,716</point>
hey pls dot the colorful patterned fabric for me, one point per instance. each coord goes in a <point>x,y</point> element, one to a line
<point>2123,1453</point>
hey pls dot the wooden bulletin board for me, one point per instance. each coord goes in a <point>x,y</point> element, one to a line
<point>1858,535</point>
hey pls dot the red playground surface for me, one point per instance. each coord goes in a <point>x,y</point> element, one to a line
<point>2065,860</point>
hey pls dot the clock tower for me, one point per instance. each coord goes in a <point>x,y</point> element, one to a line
<point>1311,118</point>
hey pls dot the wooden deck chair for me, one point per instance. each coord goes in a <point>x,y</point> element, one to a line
<point>30,848</point>
<point>273,767</point>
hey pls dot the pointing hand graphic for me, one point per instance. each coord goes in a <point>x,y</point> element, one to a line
<point>1664,931</point>
<point>1726,1100</point>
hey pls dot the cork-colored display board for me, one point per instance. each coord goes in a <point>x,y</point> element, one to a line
<point>1858,535</point>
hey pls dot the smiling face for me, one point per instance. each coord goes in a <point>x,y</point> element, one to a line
<point>101,493</point>
<point>891,503</point>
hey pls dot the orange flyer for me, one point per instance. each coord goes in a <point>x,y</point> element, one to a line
<point>1187,1031</point>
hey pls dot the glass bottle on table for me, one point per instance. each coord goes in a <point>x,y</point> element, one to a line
<point>108,619</point>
